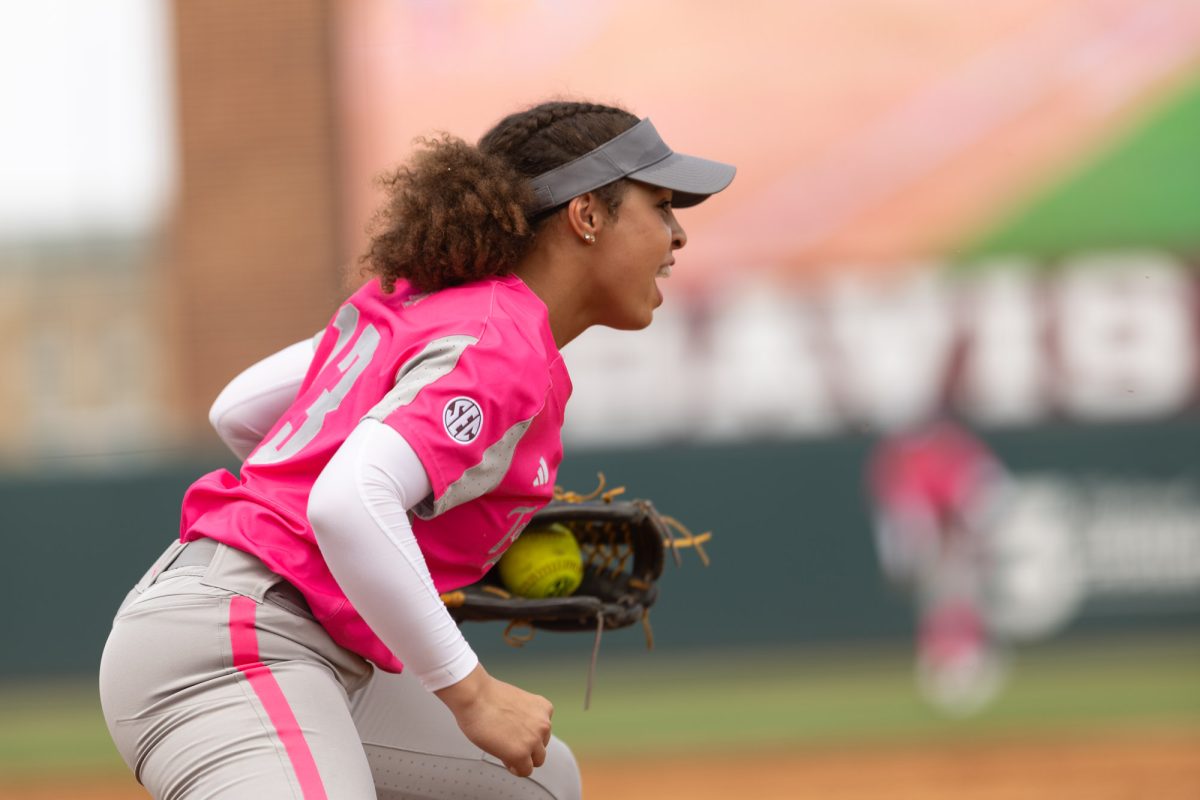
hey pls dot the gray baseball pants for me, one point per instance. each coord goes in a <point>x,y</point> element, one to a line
<point>216,682</point>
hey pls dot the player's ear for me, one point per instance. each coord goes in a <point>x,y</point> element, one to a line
<point>584,217</point>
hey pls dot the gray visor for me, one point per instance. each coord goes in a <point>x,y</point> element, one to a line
<point>640,154</point>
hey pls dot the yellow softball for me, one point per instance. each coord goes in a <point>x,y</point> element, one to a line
<point>542,562</point>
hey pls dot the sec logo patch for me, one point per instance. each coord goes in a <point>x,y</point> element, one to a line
<point>463,419</point>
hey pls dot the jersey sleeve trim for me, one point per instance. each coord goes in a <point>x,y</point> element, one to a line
<point>436,360</point>
<point>479,479</point>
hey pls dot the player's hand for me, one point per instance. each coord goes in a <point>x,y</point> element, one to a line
<point>501,719</point>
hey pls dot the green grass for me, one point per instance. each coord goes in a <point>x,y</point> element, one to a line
<point>802,697</point>
<point>1142,192</point>
<point>53,725</point>
<point>653,703</point>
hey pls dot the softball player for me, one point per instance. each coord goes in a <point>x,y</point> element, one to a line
<point>937,490</point>
<point>292,642</point>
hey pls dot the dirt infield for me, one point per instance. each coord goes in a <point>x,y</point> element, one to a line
<point>1162,764</point>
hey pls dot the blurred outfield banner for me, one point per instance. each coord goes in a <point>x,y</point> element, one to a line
<point>1098,338</point>
<point>1103,542</point>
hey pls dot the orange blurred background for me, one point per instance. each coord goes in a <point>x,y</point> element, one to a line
<point>867,133</point>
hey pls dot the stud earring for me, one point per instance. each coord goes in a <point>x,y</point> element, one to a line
<point>590,238</point>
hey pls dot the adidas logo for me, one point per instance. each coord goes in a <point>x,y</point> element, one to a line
<point>543,473</point>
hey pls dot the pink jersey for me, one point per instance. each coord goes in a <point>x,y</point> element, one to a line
<point>469,376</point>
<point>941,469</point>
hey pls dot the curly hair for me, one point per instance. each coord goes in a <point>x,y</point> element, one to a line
<point>458,213</point>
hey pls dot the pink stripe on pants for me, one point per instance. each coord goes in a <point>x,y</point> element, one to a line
<point>244,640</point>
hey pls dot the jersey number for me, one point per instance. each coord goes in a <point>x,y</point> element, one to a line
<point>289,441</point>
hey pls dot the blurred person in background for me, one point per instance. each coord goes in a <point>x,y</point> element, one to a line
<point>938,494</point>
<point>292,642</point>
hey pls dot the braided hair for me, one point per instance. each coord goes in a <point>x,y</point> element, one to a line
<point>459,212</point>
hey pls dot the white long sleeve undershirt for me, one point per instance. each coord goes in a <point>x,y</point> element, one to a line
<point>249,406</point>
<point>358,509</point>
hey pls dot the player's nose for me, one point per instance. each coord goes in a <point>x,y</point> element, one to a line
<point>678,234</point>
